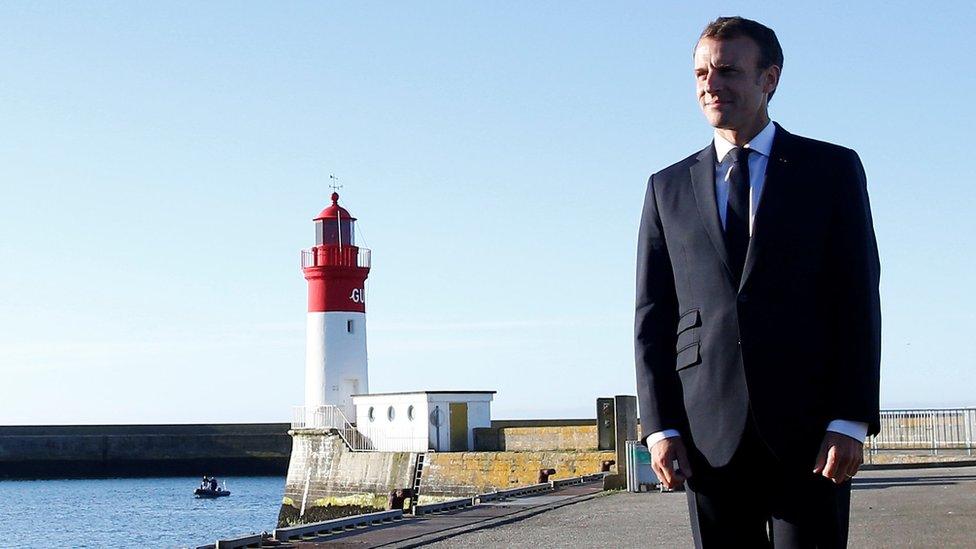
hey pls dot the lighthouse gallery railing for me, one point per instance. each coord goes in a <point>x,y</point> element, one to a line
<point>344,256</point>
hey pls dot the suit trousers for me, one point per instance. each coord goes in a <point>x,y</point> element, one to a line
<point>755,501</point>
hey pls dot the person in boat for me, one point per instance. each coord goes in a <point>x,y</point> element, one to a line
<point>205,483</point>
<point>213,483</point>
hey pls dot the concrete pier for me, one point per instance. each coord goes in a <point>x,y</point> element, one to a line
<point>326,480</point>
<point>930,507</point>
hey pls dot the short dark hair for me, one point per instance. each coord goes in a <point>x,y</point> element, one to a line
<point>727,28</point>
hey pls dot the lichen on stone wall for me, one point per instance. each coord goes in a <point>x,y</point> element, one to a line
<point>290,516</point>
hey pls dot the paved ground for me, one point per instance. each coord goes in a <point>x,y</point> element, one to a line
<point>423,530</point>
<point>896,508</point>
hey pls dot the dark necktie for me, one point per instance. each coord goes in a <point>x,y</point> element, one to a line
<point>737,212</point>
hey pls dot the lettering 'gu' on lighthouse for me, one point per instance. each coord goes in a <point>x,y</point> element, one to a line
<point>335,347</point>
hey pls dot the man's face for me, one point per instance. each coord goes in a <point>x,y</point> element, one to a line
<point>732,91</point>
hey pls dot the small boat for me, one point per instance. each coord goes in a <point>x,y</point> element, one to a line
<point>208,493</point>
<point>210,489</point>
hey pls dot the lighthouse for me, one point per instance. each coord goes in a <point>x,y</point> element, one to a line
<point>335,347</point>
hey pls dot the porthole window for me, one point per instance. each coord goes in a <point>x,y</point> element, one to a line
<point>410,413</point>
<point>371,414</point>
<point>390,414</point>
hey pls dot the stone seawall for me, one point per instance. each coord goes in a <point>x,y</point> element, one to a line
<point>99,451</point>
<point>459,474</point>
<point>326,480</point>
<point>538,435</point>
<point>536,438</point>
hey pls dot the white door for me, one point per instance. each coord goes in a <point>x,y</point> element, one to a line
<point>348,388</point>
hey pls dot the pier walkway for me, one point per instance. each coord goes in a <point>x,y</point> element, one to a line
<point>909,507</point>
<point>933,507</point>
<point>426,529</point>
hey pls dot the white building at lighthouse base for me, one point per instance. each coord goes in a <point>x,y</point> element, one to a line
<point>442,421</point>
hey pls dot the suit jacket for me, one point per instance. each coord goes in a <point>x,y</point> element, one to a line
<point>796,342</point>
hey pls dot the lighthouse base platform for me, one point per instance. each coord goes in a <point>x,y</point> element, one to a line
<point>327,480</point>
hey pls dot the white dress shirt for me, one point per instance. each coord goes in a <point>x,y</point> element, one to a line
<point>758,160</point>
<point>761,146</point>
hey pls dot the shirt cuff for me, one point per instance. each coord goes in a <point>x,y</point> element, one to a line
<point>654,438</point>
<point>858,430</point>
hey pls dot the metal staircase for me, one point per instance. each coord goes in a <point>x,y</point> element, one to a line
<point>331,417</point>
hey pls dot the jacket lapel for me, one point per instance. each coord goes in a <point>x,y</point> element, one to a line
<point>772,200</point>
<point>703,182</point>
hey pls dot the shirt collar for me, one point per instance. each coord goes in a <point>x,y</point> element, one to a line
<point>762,143</point>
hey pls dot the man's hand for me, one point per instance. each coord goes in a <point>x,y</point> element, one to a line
<point>667,453</point>
<point>839,457</point>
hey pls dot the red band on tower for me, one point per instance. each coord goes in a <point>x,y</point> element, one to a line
<point>336,278</point>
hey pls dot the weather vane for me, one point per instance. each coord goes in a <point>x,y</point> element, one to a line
<point>335,185</point>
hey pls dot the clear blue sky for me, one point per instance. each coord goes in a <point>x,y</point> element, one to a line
<point>160,164</point>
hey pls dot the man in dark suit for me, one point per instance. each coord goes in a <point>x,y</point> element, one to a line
<point>757,324</point>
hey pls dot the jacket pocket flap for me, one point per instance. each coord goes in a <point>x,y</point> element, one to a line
<point>688,320</point>
<point>688,356</point>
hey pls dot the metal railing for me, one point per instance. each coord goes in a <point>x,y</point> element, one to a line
<point>250,540</point>
<point>331,417</point>
<point>932,430</point>
<point>359,438</point>
<point>328,255</point>
<point>339,524</point>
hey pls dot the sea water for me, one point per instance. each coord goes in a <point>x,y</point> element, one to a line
<point>133,512</point>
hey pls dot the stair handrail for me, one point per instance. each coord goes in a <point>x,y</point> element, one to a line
<point>333,418</point>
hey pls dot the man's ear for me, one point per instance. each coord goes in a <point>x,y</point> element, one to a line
<point>770,78</point>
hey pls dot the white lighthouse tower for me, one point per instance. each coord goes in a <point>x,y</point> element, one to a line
<point>335,348</point>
